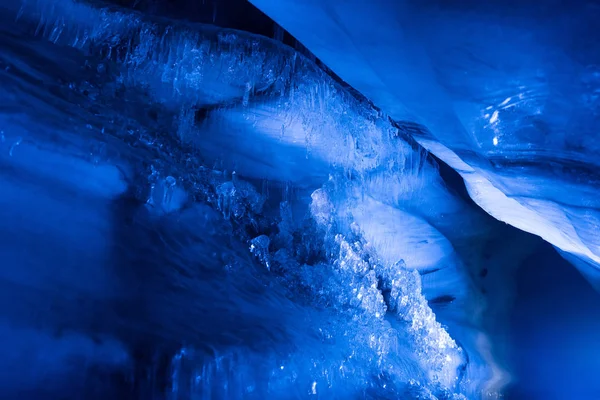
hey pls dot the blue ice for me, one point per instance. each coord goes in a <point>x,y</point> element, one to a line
<point>507,93</point>
<point>196,212</point>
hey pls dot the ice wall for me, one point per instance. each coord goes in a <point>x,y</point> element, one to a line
<point>97,286</point>
<point>507,93</point>
<point>376,270</point>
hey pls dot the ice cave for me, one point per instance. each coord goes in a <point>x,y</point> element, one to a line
<point>299,199</point>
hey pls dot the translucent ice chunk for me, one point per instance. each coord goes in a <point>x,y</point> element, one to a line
<point>259,246</point>
<point>236,199</point>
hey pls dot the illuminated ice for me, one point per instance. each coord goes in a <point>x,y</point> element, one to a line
<point>302,244</point>
<point>506,97</point>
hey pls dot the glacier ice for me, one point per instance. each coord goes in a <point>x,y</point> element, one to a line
<point>235,221</point>
<point>506,97</point>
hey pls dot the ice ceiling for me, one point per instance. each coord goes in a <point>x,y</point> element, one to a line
<point>508,93</point>
<point>237,222</point>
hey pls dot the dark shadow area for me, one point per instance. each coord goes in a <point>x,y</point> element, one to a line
<point>454,182</point>
<point>555,331</point>
<point>233,14</point>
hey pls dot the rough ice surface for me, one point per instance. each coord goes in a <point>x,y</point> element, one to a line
<point>268,233</point>
<point>507,95</point>
<point>436,350</point>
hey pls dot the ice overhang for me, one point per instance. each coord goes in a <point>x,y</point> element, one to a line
<point>509,94</point>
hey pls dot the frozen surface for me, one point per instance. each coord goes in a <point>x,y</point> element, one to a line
<point>507,93</point>
<point>232,221</point>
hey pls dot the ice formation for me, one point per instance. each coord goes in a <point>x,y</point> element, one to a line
<point>505,98</point>
<point>285,238</point>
